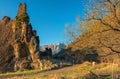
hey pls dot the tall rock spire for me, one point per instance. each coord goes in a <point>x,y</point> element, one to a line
<point>22,9</point>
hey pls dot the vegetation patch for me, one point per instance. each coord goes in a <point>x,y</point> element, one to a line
<point>80,71</point>
<point>22,18</point>
<point>28,72</point>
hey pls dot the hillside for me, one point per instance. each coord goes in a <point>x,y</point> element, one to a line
<point>100,43</point>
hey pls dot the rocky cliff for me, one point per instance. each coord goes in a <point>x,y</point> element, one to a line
<point>19,45</point>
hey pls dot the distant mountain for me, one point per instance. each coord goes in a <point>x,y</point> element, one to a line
<point>55,47</point>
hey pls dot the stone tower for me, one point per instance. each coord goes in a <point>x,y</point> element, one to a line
<point>22,9</point>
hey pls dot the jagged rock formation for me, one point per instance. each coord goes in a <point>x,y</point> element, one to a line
<point>19,45</point>
<point>55,47</point>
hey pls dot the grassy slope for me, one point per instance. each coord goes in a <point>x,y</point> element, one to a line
<point>76,71</point>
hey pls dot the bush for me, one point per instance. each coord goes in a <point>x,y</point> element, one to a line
<point>22,18</point>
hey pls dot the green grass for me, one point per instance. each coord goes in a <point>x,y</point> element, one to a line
<point>28,72</point>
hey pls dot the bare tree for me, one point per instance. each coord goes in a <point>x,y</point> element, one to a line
<point>71,33</point>
<point>96,10</point>
<point>103,8</point>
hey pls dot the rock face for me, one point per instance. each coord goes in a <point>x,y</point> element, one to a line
<point>19,45</point>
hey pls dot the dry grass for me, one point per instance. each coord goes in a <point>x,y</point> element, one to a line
<point>107,69</point>
<point>74,72</point>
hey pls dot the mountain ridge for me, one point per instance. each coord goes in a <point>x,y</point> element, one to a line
<point>56,48</point>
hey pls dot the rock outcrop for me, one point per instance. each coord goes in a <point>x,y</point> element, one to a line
<point>19,45</point>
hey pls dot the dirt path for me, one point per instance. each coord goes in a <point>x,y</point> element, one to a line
<point>44,73</point>
<point>71,71</point>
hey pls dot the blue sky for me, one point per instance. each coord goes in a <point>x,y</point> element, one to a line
<point>48,17</point>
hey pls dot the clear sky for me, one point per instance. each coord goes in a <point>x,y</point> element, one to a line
<point>48,17</point>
